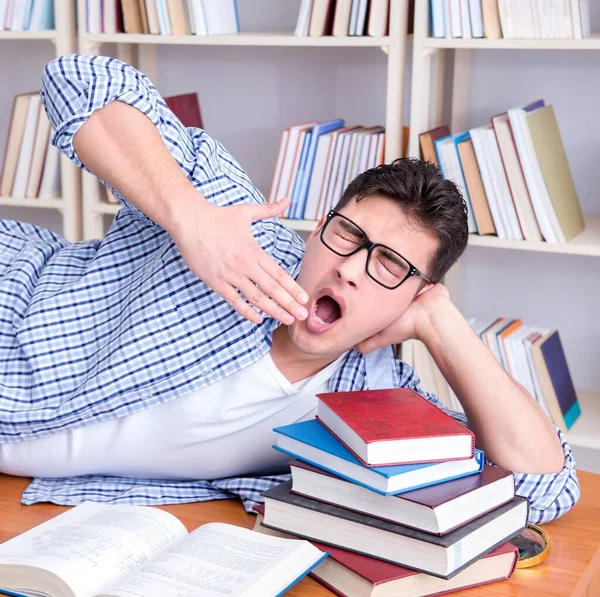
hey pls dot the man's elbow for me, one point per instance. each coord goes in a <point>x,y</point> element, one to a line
<point>544,510</point>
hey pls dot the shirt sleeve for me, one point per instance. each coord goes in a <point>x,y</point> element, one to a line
<point>73,87</point>
<point>549,495</point>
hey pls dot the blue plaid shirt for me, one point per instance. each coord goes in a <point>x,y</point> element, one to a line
<point>97,330</point>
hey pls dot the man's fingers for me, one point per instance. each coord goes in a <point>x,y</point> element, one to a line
<point>258,298</point>
<point>283,279</point>
<point>268,210</point>
<point>277,293</point>
<point>238,303</point>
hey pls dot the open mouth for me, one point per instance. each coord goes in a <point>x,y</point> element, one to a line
<point>326,310</point>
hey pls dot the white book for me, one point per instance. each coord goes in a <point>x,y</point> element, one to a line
<point>476,17</point>
<point>164,22</point>
<point>363,162</point>
<point>3,11</point>
<point>109,15</point>
<point>437,18</point>
<point>537,18</point>
<point>465,19</point>
<point>279,165</point>
<point>504,195</point>
<point>331,168</point>
<point>455,18</point>
<point>580,10</point>
<point>198,16</point>
<point>538,394</point>
<point>42,15</point>
<point>353,17</point>
<point>221,17</point>
<point>99,550</point>
<point>94,16</point>
<point>26,150</point>
<point>379,12</point>
<point>477,137</point>
<point>152,13</point>
<point>303,22</point>
<point>339,175</point>
<point>318,176</point>
<point>540,198</point>
<point>505,20</point>
<point>50,185</point>
<point>362,17</point>
<point>447,20</point>
<point>20,14</point>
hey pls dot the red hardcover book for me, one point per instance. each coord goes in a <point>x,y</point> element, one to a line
<point>350,574</point>
<point>187,108</point>
<point>395,426</point>
<point>437,509</point>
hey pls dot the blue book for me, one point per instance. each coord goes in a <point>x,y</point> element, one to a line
<point>299,202</point>
<point>306,137</point>
<point>310,442</point>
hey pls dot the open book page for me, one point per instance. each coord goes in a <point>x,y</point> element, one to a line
<point>216,559</point>
<point>93,546</point>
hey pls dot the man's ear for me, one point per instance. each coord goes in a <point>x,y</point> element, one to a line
<point>318,227</point>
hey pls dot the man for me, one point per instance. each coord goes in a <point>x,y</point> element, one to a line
<point>137,357</point>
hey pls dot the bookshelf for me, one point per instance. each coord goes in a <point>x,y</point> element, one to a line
<point>63,39</point>
<point>141,51</point>
<point>441,81</point>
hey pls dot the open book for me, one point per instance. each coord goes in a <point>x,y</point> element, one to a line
<point>97,550</point>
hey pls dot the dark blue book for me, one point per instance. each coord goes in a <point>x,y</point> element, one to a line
<point>310,442</point>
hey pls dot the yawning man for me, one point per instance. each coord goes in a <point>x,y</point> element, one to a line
<point>152,366</point>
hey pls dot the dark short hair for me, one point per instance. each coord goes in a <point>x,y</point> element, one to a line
<point>430,200</point>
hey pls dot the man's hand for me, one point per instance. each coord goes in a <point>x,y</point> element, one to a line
<point>217,245</point>
<point>409,325</point>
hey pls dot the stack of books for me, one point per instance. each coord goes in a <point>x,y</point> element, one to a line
<point>397,491</point>
<point>343,17</point>
<point>317,160</point>
<point>525,19</point>
<point>163,17</point>
<point>514,175</point>
<point>31,165</point>
<point>26,15</point>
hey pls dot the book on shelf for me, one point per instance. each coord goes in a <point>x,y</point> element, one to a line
<point>26,15</point>
<point>392,426</point>
<point>316,161</point>
<point>31,167</point>
<point>437,509</point>
<point>443,556</point>
<point>514,175</point>
<point>311,442</point>
<point>496,19</point>
<point>111,551</point>
<point>163,17</point>
<point>349,574</point>
<point>534,356</point>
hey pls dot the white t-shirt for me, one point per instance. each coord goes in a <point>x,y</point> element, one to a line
<point>222,430</point>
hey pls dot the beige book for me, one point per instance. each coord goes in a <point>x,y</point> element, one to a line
<point>320,18</point>
<point>144,16</point>
<point>38,156</point>
<point>26,151</point>
<point>13,142</point>
<point>379,13</point>
<point>552,158</point>
<point>152,12</point>
<point>341,20</point>
<point>491,19</point>
<point>479,202</point>
<point>177,17</point>
<point>516,179</point>
<point>132,17</point>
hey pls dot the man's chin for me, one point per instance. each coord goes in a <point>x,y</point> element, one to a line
<point>323,343</point>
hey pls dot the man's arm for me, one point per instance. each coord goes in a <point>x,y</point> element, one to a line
<point>139,147</point>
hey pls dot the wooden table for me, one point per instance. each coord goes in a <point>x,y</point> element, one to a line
<point>573,567</point>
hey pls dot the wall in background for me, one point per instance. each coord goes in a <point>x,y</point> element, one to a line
<point>248,95</point>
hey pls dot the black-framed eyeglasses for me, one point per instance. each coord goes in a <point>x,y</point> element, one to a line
<point>384,265</point>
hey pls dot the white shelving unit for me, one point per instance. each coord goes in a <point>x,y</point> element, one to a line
<point>140,50</point>
<point>69,205</point>
<point>426,111</point>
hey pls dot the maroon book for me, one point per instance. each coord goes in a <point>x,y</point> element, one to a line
<point>442,508</point>
<point>187,108</point>
<point>395,426</point>
<point>338,573</point>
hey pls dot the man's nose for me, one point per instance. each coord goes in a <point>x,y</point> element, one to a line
<point>351,270</point>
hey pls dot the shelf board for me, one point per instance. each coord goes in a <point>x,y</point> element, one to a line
<point>240,39</point>
<point>589,43</point>
<point>31,35</point>
<point>55,203</point>
<point>585,432</point>
<point>587,243</point>
<point>104,207</point>
<point>300,225</point>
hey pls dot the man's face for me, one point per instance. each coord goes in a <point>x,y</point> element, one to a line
<point>360,307</point>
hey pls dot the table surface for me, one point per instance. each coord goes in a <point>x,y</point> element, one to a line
<point>571,568</point>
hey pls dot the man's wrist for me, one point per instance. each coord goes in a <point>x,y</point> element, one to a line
<point>180,209</point>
